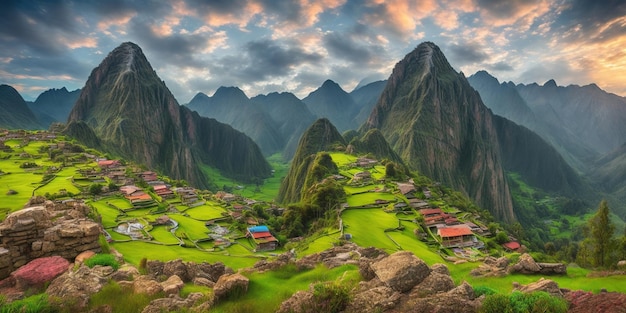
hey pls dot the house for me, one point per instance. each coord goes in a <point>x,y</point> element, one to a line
<point>406,189</point>
<point>427,193</point>
<point>163,191</point>
<point>365,162</point>
<point>417,203</point>
<point>108,164</point>
<point>512,246</point>
<point>457,236</point>
<point>148,176</point>
<point>262,238</point>
<point>365,175</point>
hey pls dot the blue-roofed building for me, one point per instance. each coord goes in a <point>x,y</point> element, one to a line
<point>262,237</point>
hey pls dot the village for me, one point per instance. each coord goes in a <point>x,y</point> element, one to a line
<point>136,204</point>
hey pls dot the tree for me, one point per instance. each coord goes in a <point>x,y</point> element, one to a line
<point>95,189</point>
<point>600,236</point>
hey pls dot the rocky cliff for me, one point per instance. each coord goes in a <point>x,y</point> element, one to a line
<point>46,229</point>
<point>135,116</point>
<point>438,124</point>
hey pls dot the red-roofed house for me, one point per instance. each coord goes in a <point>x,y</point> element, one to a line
<point>106,164</point>
<point>456,236</point>
<point>262,237</point>
<point>512,246</point>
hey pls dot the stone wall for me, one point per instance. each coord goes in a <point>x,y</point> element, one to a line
<point>43,230</point>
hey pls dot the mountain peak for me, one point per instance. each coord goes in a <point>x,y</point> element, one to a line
<point>484,75</point>
<point>230,92</point>
<point>330,84</point>
<point>550,83</point>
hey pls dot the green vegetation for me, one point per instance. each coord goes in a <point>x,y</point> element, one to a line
<point>517,302</point>
<point>119,299</point>
<point>104,260</point>
<point>33,304</point>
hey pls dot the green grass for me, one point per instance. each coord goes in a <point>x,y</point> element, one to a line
<point>135,250</point>
<point>162,235</point>
<point>342,159</point>
<point>320,244</point>
<point>367,227</point>
<point>352,189</point>
<point>267,291</point>
<point>191,228</point>
<point>369,198</point>
<point>108,213</point>
<point>119,299</point>
<point>206,212</point>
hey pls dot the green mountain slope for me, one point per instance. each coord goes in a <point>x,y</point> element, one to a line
<point>134,115</point>
<point>14,112</point>
<point>437,123</point>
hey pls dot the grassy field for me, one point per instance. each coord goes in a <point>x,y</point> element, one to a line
<point>369,198</point>
<point>206,212</point>
<point>367,227</point>
<point>267,291</point>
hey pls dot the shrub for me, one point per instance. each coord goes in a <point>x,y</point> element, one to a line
<point>120,299</point>
<point>104,244</point>
<point>104,260</point>
<point>496,303</point>
<point>33,304</point>
<point>483,290</point>
<point>330,297</point>
<point>518,302</point>
<point>143,269</point>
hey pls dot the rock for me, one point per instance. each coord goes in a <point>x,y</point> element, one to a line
<point>433,284</point>
<point>83,256</point>
<point>365,269</point>
<point>552,268</point>
<point>172,285</point>
<point>378,299</point>
<point>77,286</point>
<point>125,272</point>
<point>209,271</point>
<point>297,303</point>
<point>201,281</point>
<point>230,286</point>
<point>146,285</point>
<point>584,301</point>
<point>440,268</point>
<point>621,265</point>
<point>542,284</point>
<point>458,300</point>
<point>401,271</point>
<point>525,265</point>
<point>177,268</point>
<point>38,272</point>
<point>174,304</point>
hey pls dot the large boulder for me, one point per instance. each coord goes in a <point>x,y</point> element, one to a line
<point>525,265</point>
<point>377,299</point>
<point>297,303</point>
<point>175,304</point>
<point>461,299</point>
<point>542,284</point>
<point>36,273</point>
<point>230,286</point>
<point>172,285</point>
<point>147,286</point>
<point>401,271</point>
<point>77,286</point>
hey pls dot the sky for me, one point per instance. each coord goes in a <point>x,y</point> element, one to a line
<point>263,46</point>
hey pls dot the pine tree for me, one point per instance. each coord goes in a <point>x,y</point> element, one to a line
<point>601,231</point>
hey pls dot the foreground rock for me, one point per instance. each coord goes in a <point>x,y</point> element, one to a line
<point>542,284</point>
<point>603,302</point>
<point>230,287</point>
<point>527,265</point>
<point>400,282</point>
<point>45,229</point>
<point>78,286</point>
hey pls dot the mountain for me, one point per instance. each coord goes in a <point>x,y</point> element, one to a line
<point>54,105</point>
<point>365,98</point>
<point>609,172</point>
<point>230,105</point>
<point>437,123</point>
<point>290,115</point>
<point>134,115</point>
<point>320,136</point>
<point>373,142</point>
<point>14,112</point>
<point>332,102</point>
<point>582,123</point>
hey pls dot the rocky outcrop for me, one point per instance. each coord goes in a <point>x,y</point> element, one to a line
<point>527,265</point>
<point>187,271</point>
<point>542,284</point>
<point>492,267</point>
<point>172,285</point>
<point>176,304</point>
<point>400,282</point>
<point>38,272</point>
<point>77,286</point>
<point>603,302</point>
<point>45,230</point>
<point>230,286</point>
<point>401,271</point>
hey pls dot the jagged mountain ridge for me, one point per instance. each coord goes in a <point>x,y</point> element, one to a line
<point>14,112</point>
<point>54,105</point>
<point>290,115</point>
<point>230,105</point>
<point>134,114</point>
<point>365,97</point>
<point>437,123</point>
<point>332,102</point>
<point>582,123</point>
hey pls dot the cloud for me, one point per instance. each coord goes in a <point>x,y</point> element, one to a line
<point>505,13</point>
<point>466,53</point>
<point>499,66</point>
<point>358,46</point>
<point>600,21</point>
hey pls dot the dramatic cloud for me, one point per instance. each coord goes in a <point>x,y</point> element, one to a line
<point>295,45</point>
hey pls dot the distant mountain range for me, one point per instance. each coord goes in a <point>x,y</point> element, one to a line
<point>466,133</point>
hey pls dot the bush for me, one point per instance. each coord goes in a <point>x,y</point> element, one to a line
<point>518,302</point>
<point>33,304</point>
<point>104,244</point>
<point>330,297</point>
<point>104,260</point>
<point>483,290</point>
